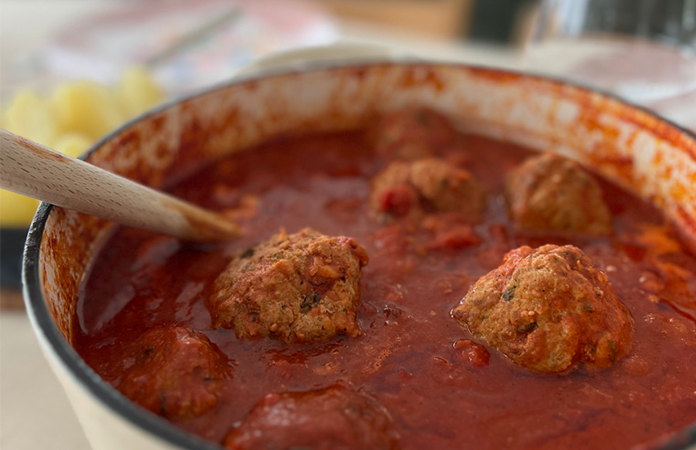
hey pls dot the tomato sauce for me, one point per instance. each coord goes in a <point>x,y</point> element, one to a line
<point>441,391</point>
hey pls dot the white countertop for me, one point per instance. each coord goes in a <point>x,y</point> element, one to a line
<point>34,411</point>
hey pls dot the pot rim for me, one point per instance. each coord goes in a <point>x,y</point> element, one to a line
<point>54,342</point>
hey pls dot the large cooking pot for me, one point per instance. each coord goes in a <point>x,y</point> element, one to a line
<point>628,145</point>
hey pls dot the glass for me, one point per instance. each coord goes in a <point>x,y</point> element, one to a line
<point>641,50</point>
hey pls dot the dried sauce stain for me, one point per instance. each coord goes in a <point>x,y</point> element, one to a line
<point>157,123</point>
<point>687,229</point>
<point>41,152</point>
<point>497,75</point>
<point>418,76</point>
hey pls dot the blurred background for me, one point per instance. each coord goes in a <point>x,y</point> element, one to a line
<point>73,70</point>
<point>187,45</point>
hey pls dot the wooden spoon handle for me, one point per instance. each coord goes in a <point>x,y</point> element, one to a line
<point>33,170</point>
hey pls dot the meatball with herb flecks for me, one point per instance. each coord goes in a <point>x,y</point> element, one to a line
<point>549,192</point>
<point>177,374</point>
<point>547,310</point>
<point>333,418</point>
<point>426,186</point>
<point>298,288</point>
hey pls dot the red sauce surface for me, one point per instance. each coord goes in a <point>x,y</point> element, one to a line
<point>442,392</point>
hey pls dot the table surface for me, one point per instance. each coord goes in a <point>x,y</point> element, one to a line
<point>31,398</point>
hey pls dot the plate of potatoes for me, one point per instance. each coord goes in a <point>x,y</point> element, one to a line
<point>70,119</point>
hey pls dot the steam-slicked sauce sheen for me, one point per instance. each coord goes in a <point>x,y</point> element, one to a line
<point>412,357</point>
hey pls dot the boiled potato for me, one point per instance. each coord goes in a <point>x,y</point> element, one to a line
<point>72,144</point>
<point>88,108</point>
<point>70,120</point>
<point>16,211</point>
<point>30,116</point>
<point>138,92</point>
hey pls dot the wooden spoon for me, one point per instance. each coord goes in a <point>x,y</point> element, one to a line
<point>36,171</point>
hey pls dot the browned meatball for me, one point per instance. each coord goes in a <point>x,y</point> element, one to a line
<point>302,287</point>
<point>178,373</point>
<point>333,418</point>
<point>412,134</point>
<point>549,192</point>
<point>548,309</point>
<point>427,185</point>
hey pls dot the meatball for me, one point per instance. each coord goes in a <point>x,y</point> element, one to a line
<point>425,186</point>
<point>177,374</point>
<point>549,192</point>
<point>547,310</point>
<point>298,288</point>
<point>412,134</point>
<point>333,418</point>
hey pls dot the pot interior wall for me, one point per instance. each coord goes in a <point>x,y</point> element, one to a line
<point>634,149</point>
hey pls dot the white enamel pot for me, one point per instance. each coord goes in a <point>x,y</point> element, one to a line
<point>628,145</point>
